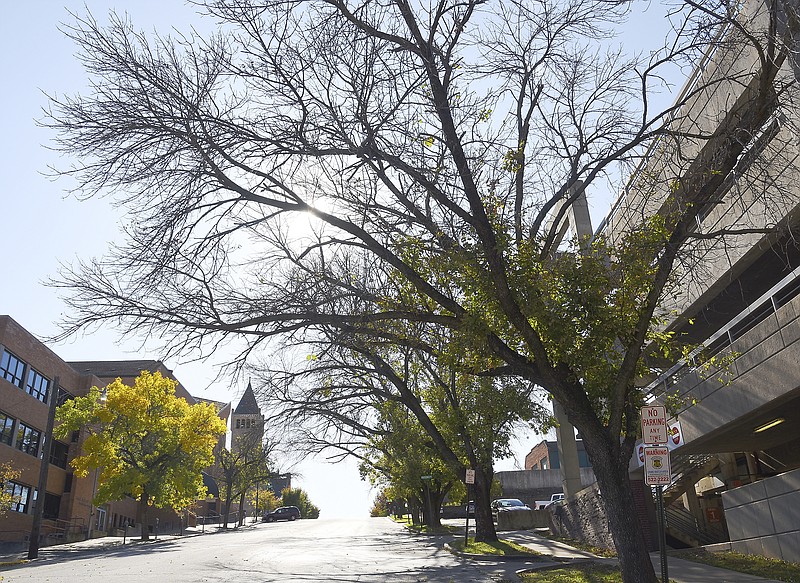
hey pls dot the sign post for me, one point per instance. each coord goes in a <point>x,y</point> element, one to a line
<point>655,433</point>
<point>662,532</point>
<point>468,480</point>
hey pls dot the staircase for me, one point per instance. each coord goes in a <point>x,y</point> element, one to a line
<point>687,470</point>
<point>683,526</point>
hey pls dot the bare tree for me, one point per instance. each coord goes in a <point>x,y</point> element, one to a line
<point>416,162</point>
<point>246,464</point>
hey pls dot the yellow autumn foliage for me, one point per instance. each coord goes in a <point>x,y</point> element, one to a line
<point>146,442</point>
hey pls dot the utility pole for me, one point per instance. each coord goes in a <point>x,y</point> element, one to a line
<point>38,511</point>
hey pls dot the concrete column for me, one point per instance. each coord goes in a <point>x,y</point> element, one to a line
<point>579,220</point>
<point>567,453</point>
<point>694,506</point>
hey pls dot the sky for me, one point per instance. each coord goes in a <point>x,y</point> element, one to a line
<point>44,226</point>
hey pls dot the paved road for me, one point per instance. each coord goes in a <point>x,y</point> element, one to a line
<point>369,550</point>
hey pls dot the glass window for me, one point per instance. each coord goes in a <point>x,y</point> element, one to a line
<point>52,506</point>
<point>64,396</point>
<point>58,454</point>
<point>20,495</point>
<point>28,439</point>
<point>11,368</point>
<point>6,428</point>
<point>37,385</point>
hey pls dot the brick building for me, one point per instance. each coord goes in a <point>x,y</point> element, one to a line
<point>544,456</point>
<point>28,370</point>
<point>28,373</point>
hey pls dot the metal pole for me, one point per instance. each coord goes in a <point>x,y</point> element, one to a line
<point>38,511</point>
<point>466,523</point>
<point>662,532</point>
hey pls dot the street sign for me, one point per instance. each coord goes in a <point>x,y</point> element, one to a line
<point>470,477</point>
<point>426,478</point>
<point>675,435</point>
<point>656,466</point>
<point>654,424</point>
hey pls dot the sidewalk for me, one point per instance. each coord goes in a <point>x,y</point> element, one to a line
<point>679,570</point>
<point>104,543</point>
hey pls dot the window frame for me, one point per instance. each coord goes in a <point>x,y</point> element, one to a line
<point>6,360</point>
<point>20,496</point>
<point>23,442</point>
<point>6,429</point>
<point>59,454</point>
<point>33,385</point>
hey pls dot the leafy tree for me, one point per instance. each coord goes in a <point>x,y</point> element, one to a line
<point>399,168</point>
<point>263,499</point>
<point>147,442</point>
<point>298,497</point>
<point>7,473</point>
<point>242,467</point>
<point>405,415</point>
<point>380,506</point>
<point>404,458</point>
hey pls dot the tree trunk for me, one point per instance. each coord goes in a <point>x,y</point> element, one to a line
<point>482,490</point>
<point>623,520</point>
<point>413,509</point>
<point>226,513</point>
<point>241,509</point>
<point>141,516</point>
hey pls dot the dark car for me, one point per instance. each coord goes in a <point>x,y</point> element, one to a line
<point>282,513</point>
<point>507,505</point>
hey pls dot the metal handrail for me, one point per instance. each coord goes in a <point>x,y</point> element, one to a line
<point>652,390</point>
<point>683,521</point>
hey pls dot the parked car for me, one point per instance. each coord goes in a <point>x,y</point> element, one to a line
<point>507,505</point>
<point>282,513</point>
<point>542,504</point>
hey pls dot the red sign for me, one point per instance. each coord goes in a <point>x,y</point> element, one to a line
<point>654,425</point>
<point>714,515</point>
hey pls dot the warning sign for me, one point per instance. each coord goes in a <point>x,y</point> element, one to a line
<point>654,425</point>
<point>656,466</point>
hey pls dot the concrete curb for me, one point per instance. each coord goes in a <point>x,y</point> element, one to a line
<point>551,566</point>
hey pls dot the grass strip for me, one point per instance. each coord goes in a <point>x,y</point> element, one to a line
<point>584,573</point>
<point>500,548</point>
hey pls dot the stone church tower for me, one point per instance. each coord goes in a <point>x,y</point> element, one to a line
<point>247,416</point>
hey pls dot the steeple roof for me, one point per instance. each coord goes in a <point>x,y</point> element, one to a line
<point>247,404</point>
